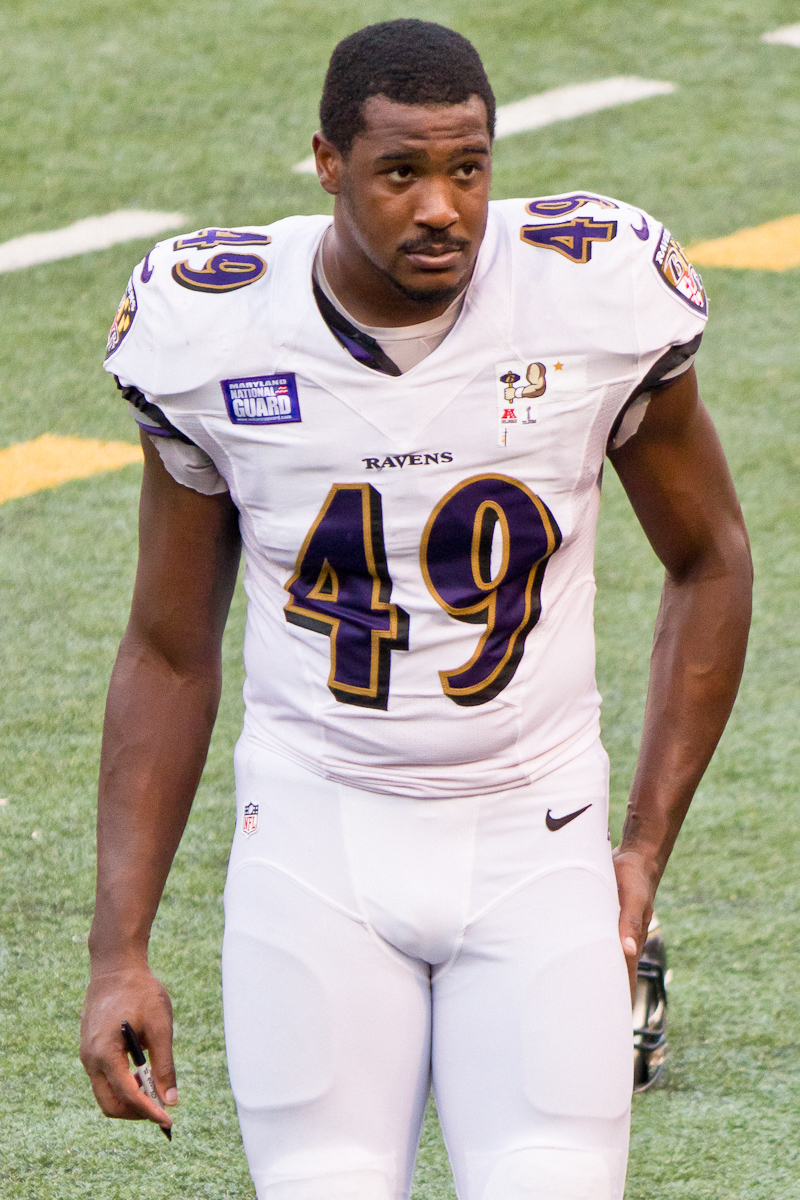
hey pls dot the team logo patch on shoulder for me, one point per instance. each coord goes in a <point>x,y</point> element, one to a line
<point>222,273</point>
<point>573,238</point>
<point>562,206</point>
<point>262,399</point>
<point>207,239</point>
<point>678,273</point>
<point>122,320</point>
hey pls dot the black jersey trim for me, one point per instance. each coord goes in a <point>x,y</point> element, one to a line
<point>362,347</point>
<point>654,379</point>
<point>160,426</point>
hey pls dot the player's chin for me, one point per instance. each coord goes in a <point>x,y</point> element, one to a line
<point>430,287</point>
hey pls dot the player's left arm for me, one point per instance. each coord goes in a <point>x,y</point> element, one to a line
<point>677,479</point>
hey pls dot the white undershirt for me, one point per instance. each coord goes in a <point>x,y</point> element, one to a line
<point>405,345</point>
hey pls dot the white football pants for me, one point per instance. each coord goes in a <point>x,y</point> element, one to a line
<point>376,943</point>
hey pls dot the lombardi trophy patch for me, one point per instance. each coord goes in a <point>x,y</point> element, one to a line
<point>250,819</point>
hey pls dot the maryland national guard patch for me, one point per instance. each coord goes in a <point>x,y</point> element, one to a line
<point>678,273</point>
<point>123,319</point>
<point>262,399</point>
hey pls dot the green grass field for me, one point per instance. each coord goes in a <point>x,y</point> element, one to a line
<point>203,107</point>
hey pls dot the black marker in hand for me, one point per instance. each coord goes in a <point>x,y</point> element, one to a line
<point>143,1074</point>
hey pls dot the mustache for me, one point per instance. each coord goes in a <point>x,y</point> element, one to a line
<point>430,242</point>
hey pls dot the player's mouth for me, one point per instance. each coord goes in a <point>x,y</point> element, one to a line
<point>427,255</point>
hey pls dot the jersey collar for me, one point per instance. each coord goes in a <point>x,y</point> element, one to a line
<point>310,348</point>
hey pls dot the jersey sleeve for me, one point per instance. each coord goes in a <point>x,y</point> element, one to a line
<point>670,312</point>
<point>186,462</point>
<point>618,284</point>
<point>190,466</point>
<point>180,313</point>
<point>184,307</point>
<point>672,364</point>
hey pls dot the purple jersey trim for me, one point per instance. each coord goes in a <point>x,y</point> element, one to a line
<point>154,430</point>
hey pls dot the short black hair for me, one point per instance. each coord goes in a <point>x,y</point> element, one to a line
<point>407,60</point>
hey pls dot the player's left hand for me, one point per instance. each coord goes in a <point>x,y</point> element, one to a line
<point>637,880</point>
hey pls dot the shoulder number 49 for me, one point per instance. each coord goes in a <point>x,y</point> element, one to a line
<point>341,586</point>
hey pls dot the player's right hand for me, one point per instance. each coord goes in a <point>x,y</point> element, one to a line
<point>128,994</point>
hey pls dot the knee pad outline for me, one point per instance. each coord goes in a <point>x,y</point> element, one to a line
<point>549,1173</point>
<point>365,1183</point>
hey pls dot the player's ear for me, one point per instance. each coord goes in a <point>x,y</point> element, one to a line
<point>329,163</point>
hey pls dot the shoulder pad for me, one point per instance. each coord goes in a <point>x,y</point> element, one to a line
<point>575,224</point>
<point>636,264</point>
<point>187,303</point>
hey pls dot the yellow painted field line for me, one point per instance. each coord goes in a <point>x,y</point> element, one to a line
<point>774,246</point>
<point>50,460</point>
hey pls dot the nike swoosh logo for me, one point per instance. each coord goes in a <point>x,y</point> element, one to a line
<point>644,233</point>
<point>554,823</point>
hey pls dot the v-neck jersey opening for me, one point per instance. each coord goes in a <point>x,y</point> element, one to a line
<point>391,339</point>
<point>493,242</point>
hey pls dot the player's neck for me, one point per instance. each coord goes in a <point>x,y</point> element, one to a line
<point>364,291</point>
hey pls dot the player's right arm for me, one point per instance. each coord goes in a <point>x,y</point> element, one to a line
<point>162,703</point>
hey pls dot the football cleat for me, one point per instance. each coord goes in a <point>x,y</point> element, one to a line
<point>650,1011</point>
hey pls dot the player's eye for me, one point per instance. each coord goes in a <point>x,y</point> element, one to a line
<point>468,170</point>
<point>401,174</point>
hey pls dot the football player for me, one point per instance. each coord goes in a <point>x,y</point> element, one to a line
<point>421,888</point>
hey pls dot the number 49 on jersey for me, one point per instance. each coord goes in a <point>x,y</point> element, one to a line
<point>341,585</point>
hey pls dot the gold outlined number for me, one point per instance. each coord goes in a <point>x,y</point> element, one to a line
<point>573,239</point>
<point>456,560</point>
<point>341,586</point>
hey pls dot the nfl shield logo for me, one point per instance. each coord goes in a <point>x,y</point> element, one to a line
<point>250,819</point>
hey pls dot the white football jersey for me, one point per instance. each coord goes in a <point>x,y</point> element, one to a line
<point>419,547</point>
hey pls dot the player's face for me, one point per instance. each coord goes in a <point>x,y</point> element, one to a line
<point>412,194</point>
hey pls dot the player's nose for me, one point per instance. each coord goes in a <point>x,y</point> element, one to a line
<point>434,205</point>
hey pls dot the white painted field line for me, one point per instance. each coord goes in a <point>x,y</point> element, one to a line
<point>93,233</point>
<point>787,35</point>
<point>559,104</point>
